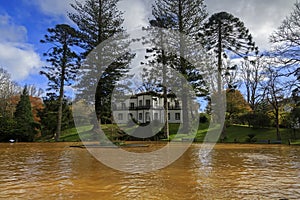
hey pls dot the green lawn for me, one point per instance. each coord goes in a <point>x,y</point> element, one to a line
<point>235,133</point>
<point>240,133</point>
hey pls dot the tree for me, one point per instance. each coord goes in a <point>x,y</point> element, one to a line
<point>186,17</point>
<point>236,104</point>
<point>64,62</point>
<point>8,89</point>
<point>286,42</point>
<point>48,115</point>
<point>34,91</point>
<point>274,90</point>
<point>155,72</point>
<point>99,20</point>
<point>295,114</point>
<point>25,128</point>
<point>225,33</point>
<point>252,72</point>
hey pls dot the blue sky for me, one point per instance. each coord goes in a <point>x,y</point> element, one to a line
<point>23,24</point>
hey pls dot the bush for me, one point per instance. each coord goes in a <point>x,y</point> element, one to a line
<point>203,118</point>
<point>256,120</point>
<point>251,138</point>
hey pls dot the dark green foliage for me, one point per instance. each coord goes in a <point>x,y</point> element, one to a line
<point>7,129</point>
<point>48,116</point>
<point>64,62</point>
<point>187,18</point>
<point>99,21</point>
<point>225,33</point>
<point>251,138</point>
<point>25,128</point>
<point>204,118</point>
<point>256,120</point>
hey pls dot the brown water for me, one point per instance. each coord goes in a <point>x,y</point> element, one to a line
<point>56,171</point>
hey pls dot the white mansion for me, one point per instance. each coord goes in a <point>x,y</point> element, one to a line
<point>146,107</point>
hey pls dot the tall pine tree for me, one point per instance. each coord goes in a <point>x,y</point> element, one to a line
<point>64,63</point>
<point>225,33</point>
<point>186,17</point>
<point>98,21</point>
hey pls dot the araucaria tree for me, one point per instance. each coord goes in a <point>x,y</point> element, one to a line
<point>224,33</point>
<point>25,125</point>
<point>99,20</point>
<point>64,62</point>
<point>186,17</point>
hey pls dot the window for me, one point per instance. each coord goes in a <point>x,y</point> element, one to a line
<point>147,117</point>
<point>140,116</point>
<point>177,116</point>
<point>140,102</point>
<point>120,116</point>
<point>169,116</point>
<point>177,104</point>
<point>132,105</point>
<point>123,105</point>
<point>155,116</point>
<point>148,103</point>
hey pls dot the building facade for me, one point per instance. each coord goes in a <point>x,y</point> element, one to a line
<point>146,107</point>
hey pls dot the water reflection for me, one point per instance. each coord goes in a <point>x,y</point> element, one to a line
<point>55,171</point>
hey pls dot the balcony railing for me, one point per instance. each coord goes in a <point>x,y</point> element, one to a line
<point>146,107</point>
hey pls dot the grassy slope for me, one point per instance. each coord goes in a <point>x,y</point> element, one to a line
<point>240,133</point>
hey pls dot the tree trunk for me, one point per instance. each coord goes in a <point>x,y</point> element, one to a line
<point>220,88</point>
<point>277,125</point>
<point>165,95</point>
<point>60,102</point>
<point>185,112</point>
<point>61,90</point>
<point>166,127</point>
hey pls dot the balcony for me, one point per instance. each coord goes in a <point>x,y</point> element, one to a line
<point>144,107</point>
<point>174,107</point>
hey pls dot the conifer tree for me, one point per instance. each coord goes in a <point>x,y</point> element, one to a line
<point>225,33</point>
<point>186,17</point>
<point>98,21</point>
<point>25,125</point>
<point>64,63</point>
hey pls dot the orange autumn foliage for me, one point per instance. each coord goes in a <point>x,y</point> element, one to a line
<point>36,104</point>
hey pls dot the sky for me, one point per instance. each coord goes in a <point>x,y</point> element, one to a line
<point>23,24</point>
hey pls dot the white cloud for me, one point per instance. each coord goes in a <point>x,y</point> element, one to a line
<point>10,32</point>
<point>136,13</point>
<point>53,7</point>
<point>16,56</point>
<point>261,17</point>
